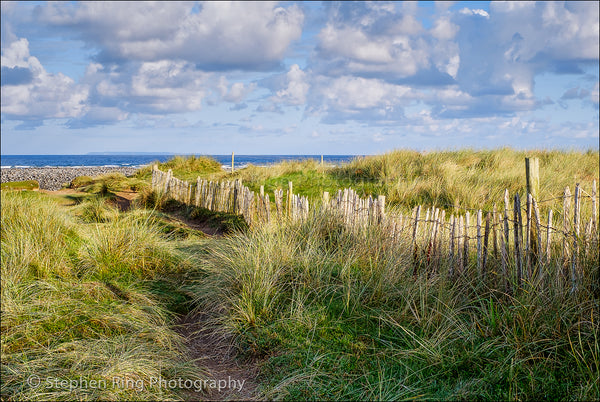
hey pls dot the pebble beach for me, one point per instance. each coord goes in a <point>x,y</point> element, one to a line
<point>53,178</point>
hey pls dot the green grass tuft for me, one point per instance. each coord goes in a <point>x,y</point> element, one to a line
<point>28,185</point>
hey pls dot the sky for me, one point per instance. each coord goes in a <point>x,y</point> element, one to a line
<point>297,77</point>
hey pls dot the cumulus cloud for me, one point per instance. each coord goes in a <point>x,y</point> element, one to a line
<point>222,35</point>
<point>388,42</point>
<point>356,98</point>
<point>29,92</point>
<point>365,62</point>
<point>493,57</point>
<point>160,87</point>
<point>296,87</point>
<point>367,38</point>
<point>235,93</point>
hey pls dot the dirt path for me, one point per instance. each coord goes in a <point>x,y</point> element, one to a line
<point>195,224</point>
<point>234,380</point>
<point>216,354</point>
<point>124,199</point>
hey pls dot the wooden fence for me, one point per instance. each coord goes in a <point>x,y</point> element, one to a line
<point>517,243</point>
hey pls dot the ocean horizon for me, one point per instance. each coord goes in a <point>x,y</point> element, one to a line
<point>142,159</point>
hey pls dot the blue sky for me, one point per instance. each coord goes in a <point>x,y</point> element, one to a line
<point>297,78</point>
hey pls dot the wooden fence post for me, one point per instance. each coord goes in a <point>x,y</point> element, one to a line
<point>290,194</point>
<point>575,254</point>
<point>536,244</point>
<point>486,237</point>
<point>267,206</point>
<point>566,231</point>
<point>505,244</point>
<point>548,238</point>
<point>466,242</point>
<point>518,227</point>
<point>278,198</point>
<point>459,244</point>
<point>451,253</point>
<point>232,157</point>
<point>414,239</point>
<point>594,208</point>
<point>380,208</point>
<point>479,249</point>
<point>495,232</point>
<point>527,245</point>
<point>325,200</point>
<point>532,173</point>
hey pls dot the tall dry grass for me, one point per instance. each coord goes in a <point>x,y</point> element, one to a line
<point>76,304</point>
<point>339,314</point>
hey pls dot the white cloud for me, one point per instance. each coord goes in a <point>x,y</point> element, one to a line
<point>478,11</point>
<point>443,29</point>
<point>237,92</point>
<point>222,35</point>
<point>296,87</point>
<point>552,30</point>
<point>44,95</point>
<point>365,38</point>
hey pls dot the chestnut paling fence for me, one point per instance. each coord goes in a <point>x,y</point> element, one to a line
<point>510,246</point>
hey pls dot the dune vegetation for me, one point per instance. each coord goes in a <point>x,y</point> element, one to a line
<point>90,291</point>
<point>79,302</point>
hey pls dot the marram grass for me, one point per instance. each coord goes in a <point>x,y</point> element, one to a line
<point>451,180</point>
<point>69,314</point>
<point>340,315</point>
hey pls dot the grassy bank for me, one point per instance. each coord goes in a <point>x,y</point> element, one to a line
<point>339,315</point>
<point>86,296</point>
<point>447,179</point>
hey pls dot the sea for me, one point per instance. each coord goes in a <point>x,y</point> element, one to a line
<point>122,160</point>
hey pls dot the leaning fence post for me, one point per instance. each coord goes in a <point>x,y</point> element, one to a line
<point>289,199</point>
<point>532,172</point>
<point>479,250</point>
<point>466,242</point>
<point>518,227</point>
<point>548,237</point>
<point>566,231</point>
<point>528,238</point>
<point>505,243</point>
<point>536,240</point>
<point>495,231</point>
<point>459,244</point>
<point>414,239</point>
<point>380,208</point>
<point>451,253</point>
<point>594,208</point>
<point>575,254</point>
<point>485,244</point>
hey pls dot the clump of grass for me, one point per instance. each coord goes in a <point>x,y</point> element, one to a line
<point>151,199</point>
<point>36,237</point>
<point>81,181</point>
<point>339,314</point>
<point>184,167</point>
<point>129,245</point>
<point>108,184</point>
<point>28,185</point>
<point>96,209</point>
